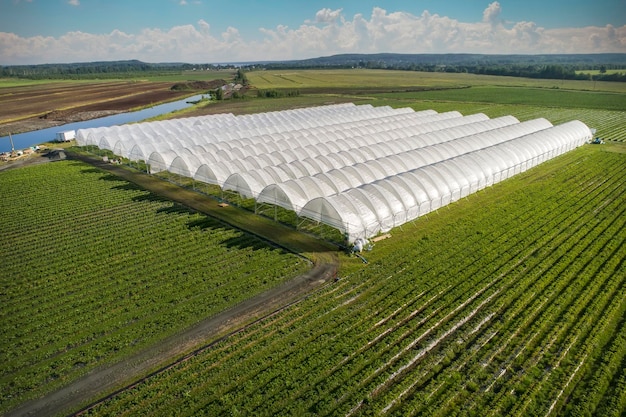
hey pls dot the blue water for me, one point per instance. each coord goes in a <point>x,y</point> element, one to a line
<point>28,139</point>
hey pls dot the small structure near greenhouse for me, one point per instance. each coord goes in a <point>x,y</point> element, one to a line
<point>65,136</point>
<point>56,155</point>
<point>360,169</point>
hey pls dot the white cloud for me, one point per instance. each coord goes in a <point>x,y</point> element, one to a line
<point>491,14</point>
<point>73,2</point>
<point>330,32</point>
<point>327,15</point>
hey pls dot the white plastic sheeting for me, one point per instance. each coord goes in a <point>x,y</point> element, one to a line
<point>451,144</point>
<point>359,149</point>
<point>383,204</point>
<point>361,169</point>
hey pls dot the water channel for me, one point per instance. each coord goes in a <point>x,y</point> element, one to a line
<point>28,139</point>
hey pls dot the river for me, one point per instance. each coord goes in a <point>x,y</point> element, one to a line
<point>28,139</point>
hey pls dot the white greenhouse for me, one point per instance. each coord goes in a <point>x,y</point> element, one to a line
<point>360,169</point>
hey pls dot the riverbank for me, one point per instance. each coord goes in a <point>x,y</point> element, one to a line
<point>27,108</point>
<point>59,118</point>
<point>31,138</point>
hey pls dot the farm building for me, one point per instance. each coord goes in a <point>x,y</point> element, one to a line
<point>65,136</point>
<point>360,169</point>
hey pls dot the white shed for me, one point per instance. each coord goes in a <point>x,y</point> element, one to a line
<point>66,136</point>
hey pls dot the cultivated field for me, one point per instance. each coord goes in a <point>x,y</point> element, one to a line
<point>362,80</point>
<point>31,105</point>
<point>509,302</point>
<point>600,105</point>
<point>98,268</point>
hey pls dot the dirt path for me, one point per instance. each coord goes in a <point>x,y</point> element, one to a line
<point>116,378</point>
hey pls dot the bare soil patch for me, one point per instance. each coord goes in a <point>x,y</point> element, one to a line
<point>199,85</point>
<point>35,107</point>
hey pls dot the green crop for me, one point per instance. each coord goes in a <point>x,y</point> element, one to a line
<point>510,302</point>
<point>95,268</point>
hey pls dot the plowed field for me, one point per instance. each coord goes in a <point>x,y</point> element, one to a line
<point>34,107</point>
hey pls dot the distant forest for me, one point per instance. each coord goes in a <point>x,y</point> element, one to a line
<point>103,69</point>
<point>600,67</point>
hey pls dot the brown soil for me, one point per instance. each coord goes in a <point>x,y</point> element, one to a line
<point>199,85</point>
<point>108,381</point>
<point>36,107</point>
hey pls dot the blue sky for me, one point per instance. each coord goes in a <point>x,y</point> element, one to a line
<point>39,31</point>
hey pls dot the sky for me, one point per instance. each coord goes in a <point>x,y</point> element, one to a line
<point>219,31</point>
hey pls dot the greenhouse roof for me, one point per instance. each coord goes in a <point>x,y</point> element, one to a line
<point>360,169</point>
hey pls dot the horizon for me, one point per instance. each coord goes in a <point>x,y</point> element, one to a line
<point>241,63</point>
<point>200,31</point>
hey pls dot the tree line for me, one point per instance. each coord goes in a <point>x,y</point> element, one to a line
<point>597,67</point>
<point>548,71</point>
<point>557,66</point>
<point>108,69</point>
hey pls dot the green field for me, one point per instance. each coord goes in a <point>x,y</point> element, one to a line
<point>95,268</point>
<point>598,72</point>
<point>600,105</point>
<point>401,80</point>
<point>508,302</point>
<point>192,76</point>
<point>521,96</point>
<point>604,112</point>
<point>22,82</point>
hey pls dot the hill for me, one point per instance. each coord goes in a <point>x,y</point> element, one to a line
<point>464,59</point>
<point>557,66</point>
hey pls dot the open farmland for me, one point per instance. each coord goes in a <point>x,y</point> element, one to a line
<point>510,302</point>
<point>96,268</point>
<point>36,105</point>
<point>363,80</point>
<point>600,105</point>
<point>37,100</point>
<point>602,110</point>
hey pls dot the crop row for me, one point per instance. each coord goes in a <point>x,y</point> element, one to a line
<point>516,284</point>
<point>490,309</point>
<point>110,270</point>
<point>609,125</point>
<point>352,298</point>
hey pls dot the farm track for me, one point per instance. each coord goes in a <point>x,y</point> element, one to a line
<point>175,350</point>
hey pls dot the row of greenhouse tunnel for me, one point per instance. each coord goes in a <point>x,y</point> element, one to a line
<point>357,168</point>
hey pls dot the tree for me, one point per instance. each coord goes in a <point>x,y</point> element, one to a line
<point>219,93</point>
<point>241,78</point>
